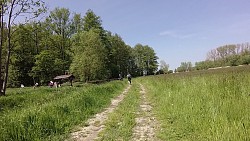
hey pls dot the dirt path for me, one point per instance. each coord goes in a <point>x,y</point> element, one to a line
<point>146,123</point>
<point>96,124</point>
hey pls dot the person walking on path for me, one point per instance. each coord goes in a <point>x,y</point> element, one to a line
<point>129,78</point>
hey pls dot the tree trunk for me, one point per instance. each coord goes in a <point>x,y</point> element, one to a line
<point>1,44</point>
<point>6,69</point>
<point>5,80</point>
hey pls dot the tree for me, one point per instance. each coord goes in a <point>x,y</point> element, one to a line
<point>139,58</point>
<point>23,55</point>
<point>59,18</point>
<point>60,24</point>
<point>184,67</point>
<point>89,57</point>
<point>164,66</point>
<point>145,59</point>
<point>233,55</point>
<point>233,60</point>
<point>11,9</point>
<point>151,60</point>
<point>203,65</point>
<point>77,24</point>
<point>245,60</point>
<point>92,21</point>
<point>212,55</point>
<point>119,56</point>
<point>47,66</point>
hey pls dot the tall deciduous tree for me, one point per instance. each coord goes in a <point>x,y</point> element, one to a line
<point>60,24</point>
<point>139,58</point>
<point>89,56</point>
<point>47,65</point>
<point>77,24</point>
<point>11,9</point>
<point>184,67</point>
<point>145,59</point>
<point>164,66</point>
<point>22,58</point>
<point>119,56</point>
<point>92,21</point>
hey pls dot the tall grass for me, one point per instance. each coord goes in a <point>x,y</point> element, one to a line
<point>121,122</point>
<point>19,98</point>
<point>205,105</point>
<point>49,114</point>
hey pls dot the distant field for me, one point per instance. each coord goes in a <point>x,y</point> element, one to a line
<point>49,113</point>
<point>202,105</point>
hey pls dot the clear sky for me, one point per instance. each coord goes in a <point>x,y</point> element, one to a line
<point>178,30</point>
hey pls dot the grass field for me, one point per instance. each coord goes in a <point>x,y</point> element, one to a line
<point>49,113</point>
<point>203,105</point>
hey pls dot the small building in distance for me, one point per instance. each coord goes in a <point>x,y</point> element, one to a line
<point>64,78</point>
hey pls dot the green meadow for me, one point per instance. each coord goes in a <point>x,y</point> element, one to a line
<point>199,105</point>
<point>49,113</point>
<point>202,105</point>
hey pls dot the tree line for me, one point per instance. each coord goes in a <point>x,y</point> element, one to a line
<point>65,42</point>
<point>227,55</point>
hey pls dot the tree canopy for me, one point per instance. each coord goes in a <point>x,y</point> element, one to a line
<point>66,42</point>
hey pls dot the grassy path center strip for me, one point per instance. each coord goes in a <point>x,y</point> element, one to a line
<point>146,123</point>
<point>95,125</point>
<point>121,122</point>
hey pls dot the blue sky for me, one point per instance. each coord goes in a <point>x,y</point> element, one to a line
<point>178,30</point>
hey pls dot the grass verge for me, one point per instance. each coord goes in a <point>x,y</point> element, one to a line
<point>212,105</point>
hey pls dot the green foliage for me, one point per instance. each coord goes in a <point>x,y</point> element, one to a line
<point>228,55</point>
<point>145,59</point>
<point>203,65</point>
<point>170,71</point>
<point>14,76</point>
<point>48,114</point>
<point>92,21</point>
<point>60,22</point>
<point>89,56</point>
<point>76,25</point>
<point>245,59</point>
<point>184,67</point>
<point>10,10</point>
<point>120,55</point>
<point>163,67</point>
<point>47,66</point>
<point>63,42</point>
<point>22,59</point>
<point>203,105</point>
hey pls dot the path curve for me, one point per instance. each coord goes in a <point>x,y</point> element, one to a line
<point>146,123</point>
<point>96,124</point>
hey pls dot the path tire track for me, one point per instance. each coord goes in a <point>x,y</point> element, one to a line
<point>146,123</point>
<point>96,124</point>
